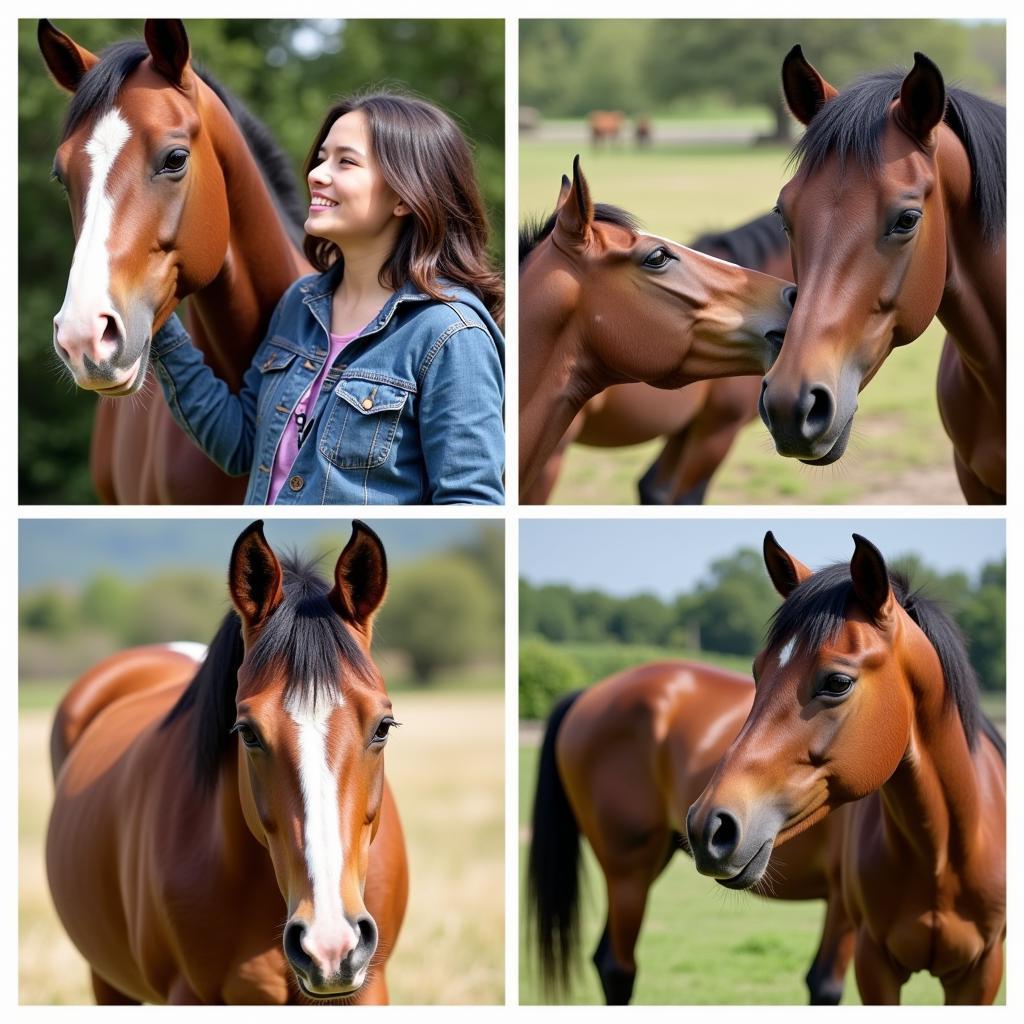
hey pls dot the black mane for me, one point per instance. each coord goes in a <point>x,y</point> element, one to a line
<point>536,229</point>
<point>750,245</point>
<point>304,638</point>
<point>851,126</point>
<point>816,610</point>
<point>101,85</point>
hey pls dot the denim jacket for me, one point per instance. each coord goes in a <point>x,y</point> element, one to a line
<point>410,413</point>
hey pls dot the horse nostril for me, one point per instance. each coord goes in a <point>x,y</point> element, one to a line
<point>723,833</point>
<point>819,415</point>
<point>293,948</point>
<point>367,929</point>
<point>789,296</point>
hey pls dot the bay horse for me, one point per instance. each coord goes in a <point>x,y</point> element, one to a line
<point>225,834</point>
<point>175,190</point>
<point>602,303</point>
<point>864,692</point>
<point>700,421</point>
<point>897,214</point>
<point>620,763</point>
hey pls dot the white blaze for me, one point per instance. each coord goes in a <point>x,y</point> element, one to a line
<point>88,292</point>
<point>322,832</point>
<point>787,652</point>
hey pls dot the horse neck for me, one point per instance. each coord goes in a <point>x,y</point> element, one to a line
<point>973,305</point>
<point>556,379</point>
<point>932,799</point>
<point>230,315</point>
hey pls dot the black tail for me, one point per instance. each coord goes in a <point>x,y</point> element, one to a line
<point>553,871</point>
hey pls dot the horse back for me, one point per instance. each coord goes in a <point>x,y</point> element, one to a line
<point>122,675</point>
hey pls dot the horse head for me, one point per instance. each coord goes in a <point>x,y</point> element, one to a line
<point>831,718</point>
<point>313,719</point>
<point>139,162</point>
<point>866,216</point>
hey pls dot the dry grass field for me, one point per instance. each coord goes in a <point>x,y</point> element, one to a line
<point>446,765</point>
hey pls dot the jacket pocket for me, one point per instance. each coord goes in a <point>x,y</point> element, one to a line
<point>362,420</point>
<point>275,360</point>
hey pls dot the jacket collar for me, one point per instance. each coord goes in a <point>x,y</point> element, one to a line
<point>318,292</point>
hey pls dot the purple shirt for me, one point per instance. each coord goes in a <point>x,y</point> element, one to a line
<point>288,446</point>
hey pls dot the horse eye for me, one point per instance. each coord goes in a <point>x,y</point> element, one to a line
<point>782,220</point>
<point>659,258</point>
<point>174,161</point>
<point>248,735</point>
<point>383,729</point>
<point>836,685</point>
<point>906,222</point>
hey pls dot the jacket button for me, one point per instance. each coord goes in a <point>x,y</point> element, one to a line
<point>296,483</point>
<point>367,403</point>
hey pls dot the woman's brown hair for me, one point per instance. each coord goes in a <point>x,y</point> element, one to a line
<point>426,160</point>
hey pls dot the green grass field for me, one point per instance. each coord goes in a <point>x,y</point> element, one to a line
<point>446,766</point>
<point>700,943</point>
<point>898,454</point>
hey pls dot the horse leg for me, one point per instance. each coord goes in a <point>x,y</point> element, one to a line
<point>654,487</point>
<point>828,971</point>
<point>879,980</point>
<point>979,985</point>
<point>730,405</point>
<point>974,490</point>
<point>628,887</point>
<point>106,995</point>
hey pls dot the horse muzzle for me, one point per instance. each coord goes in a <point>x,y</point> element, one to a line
<point>812,423</point>
<point>733,851</point>
<point>98,352</point>
<point>330,964</point>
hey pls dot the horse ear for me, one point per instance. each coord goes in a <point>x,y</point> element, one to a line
<point>786,572</point>
<point>870,578</point>
<point>805,90</point>
<point>360,578</point>
<point>563,192</point>
<point>922,103</point>
<point>66,60</point>
<point>168,46</point>
<point>254,577</point>
<point>576,213</point>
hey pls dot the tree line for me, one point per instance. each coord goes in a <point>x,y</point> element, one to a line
<point>666,67</point>
<point>443,612</point>
<point>728,610</point>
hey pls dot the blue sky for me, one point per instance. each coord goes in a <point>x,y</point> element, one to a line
<point>70,551</point>
<point>667,557</point>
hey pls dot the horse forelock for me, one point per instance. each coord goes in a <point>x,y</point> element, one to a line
<point>851,126</point>
<point>814,613</point>
<point>102,83</point>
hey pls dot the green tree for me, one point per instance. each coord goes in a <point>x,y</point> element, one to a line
<point>743,59</point>
<point>545,673</point>
<point>441,613</point>
<point>734,603</point>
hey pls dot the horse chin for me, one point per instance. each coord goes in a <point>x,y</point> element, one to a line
<point>836,452</point>
<point>130,384</point>
<point>754,871</point>
<point>331,994</point>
